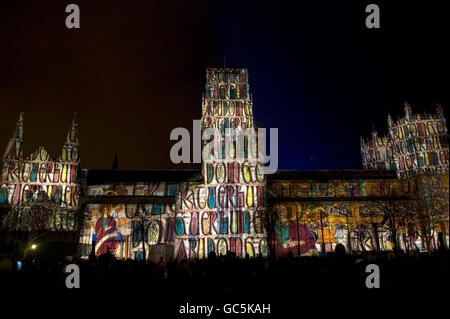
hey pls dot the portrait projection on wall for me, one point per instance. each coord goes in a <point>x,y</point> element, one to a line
<point>316,215</point>
<point>126,230</point>
<point>292,233</point>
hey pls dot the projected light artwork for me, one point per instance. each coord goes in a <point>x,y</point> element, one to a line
<point>226,212</point>
<point>123,229</point>
<point>232,204</point>
<point>416,144</point>
<point>41,192</point>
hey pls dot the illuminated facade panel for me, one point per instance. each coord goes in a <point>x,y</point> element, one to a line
<point>227,211</point>
<point>416,144</point>
<point>129,230</point>
<point>40,192</point>
<point>315,214</point>
<point>230,205</point>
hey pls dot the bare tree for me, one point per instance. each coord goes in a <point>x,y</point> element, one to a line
<point>423,219</point>
<point>141,220</point>
<point>270,221</point>
<point>394,208</point>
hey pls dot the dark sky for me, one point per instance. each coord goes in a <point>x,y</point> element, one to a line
<point>136,70</point>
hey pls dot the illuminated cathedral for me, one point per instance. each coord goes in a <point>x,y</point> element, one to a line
<point>42,190</point>
<point>40,193</point>
<point>415,144</point>
<point>398,201</point>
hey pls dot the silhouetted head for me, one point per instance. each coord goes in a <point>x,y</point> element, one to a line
<point>340,250</point>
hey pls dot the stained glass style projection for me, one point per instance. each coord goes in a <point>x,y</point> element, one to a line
<point>226,212</point>
<point>416,144</point>
<point>40,192</point>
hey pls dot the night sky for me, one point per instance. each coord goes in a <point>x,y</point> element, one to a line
<point>136,70</point>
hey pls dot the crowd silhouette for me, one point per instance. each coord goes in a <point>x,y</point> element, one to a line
<point>225,277</point>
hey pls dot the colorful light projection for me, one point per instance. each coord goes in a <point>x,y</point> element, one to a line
<point>332,189</point>
<point>116,228</point>
<point>435,193</point>
<point>42,191</point>
<point>227,212</point>
<point>416,144</point>
<point>333,215</point>
<point>347,211</point>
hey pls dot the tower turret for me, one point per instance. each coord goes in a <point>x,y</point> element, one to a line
<point>14,150</point>
<point>70,150</point>
<point>408,111</point>
<point>389,120</point>
<point>439,111</point>
<point>362,143</point>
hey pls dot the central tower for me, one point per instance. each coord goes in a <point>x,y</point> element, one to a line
<point>226,213</point>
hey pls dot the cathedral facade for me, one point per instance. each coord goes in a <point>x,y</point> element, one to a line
<point>41,191</point>
<point>398,201</point>
<point>416,144</point>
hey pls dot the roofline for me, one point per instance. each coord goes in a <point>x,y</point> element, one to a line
<point>116,176</point>
<point>332,174</point>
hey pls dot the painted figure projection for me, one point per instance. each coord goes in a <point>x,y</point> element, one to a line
<point>292,234</point>
<point>380,212</point>
<point>128,229</point>
<point>106,232</point>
